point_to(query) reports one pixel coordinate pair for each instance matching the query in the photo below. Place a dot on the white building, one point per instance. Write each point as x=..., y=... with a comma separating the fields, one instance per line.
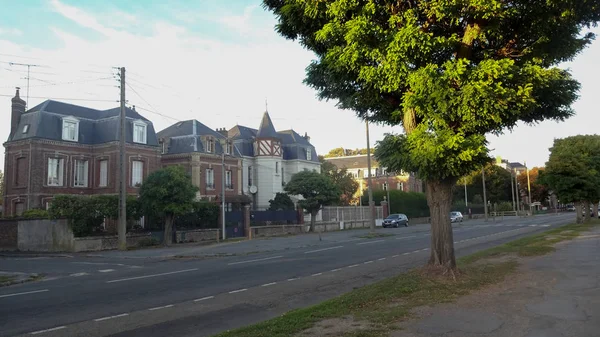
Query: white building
x=270, y=158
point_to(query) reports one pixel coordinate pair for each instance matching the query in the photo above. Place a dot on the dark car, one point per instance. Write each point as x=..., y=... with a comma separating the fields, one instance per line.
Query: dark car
x=395, y=220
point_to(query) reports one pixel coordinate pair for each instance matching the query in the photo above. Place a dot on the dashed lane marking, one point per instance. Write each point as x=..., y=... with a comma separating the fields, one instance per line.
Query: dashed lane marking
x=153, y=275
x=256, y=260
x=369, y=242
x=322, y=250
x=105, y=270
x=238, y=291
x=25, y=293
x=48, y=330
x=163, y=307
x=110, y=317
x=269, y=284
x=203, y=298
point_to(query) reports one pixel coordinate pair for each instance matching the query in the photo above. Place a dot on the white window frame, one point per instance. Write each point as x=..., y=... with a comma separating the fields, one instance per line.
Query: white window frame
x=308, y=154
x=229, y=148
x=228, y=180
x=70, y=120
x=144, y=135
x=25, y=128
x=103, y=180
x=210, y=179
x=57, y=164
x=137, y=177
x=84, y=166
x=210, y=145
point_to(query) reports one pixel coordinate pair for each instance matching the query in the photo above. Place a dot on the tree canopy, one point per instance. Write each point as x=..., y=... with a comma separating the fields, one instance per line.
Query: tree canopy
x=342, y=179
x=316, y=189
x=539, y=192
x=448, y=72
x=342, y=152
x=281, y=202
x=168, y=192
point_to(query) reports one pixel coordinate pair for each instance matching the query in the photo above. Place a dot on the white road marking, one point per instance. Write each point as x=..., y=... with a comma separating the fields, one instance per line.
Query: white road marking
x=269, y=284
x=25, y=293
x=257, y=260
x=317, y=274
x=406, y=237
x=48, y=330
x=203, y=298
x=352, y=266
x=293, y=279
x=153, y=275
x=237, y=291
x=334, y=270
x=383, y=258
x=545, y=225
x=79, y=274
x=368, y=262
x=322, y=250
x=395, y=255
x=352, y=240
x=110, y=317
x=405, y=253
x=106, y=270
x=369, y=242
x=163, y=307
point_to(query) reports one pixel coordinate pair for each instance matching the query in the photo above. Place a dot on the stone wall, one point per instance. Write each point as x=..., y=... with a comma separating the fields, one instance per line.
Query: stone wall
x=45, y=235
x=8, y=234
x=197, y=235
x=268, y=231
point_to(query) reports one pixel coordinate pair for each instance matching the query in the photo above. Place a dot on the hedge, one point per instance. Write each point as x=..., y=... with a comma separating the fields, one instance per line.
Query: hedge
x=413, y=204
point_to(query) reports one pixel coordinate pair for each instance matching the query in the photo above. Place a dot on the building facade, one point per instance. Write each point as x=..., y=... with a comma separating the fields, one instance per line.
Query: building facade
x=270, y=158
x=381, y=179
x=59, y=148
x=200, y=149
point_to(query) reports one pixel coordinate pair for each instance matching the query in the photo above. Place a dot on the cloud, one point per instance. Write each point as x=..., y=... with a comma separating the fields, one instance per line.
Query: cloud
x=239, y=23
x=81, y=17
x=10, y=32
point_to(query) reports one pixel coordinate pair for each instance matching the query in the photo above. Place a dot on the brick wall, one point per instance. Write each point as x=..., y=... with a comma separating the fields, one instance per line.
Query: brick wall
x=8, y=234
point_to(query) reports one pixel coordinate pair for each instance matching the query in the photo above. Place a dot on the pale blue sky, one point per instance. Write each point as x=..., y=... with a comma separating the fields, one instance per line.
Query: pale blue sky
x=212, y=60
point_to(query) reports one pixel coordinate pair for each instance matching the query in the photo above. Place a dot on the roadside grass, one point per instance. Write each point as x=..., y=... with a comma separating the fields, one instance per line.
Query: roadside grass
x=6, y=279
x=375, y=235
x=387, y=302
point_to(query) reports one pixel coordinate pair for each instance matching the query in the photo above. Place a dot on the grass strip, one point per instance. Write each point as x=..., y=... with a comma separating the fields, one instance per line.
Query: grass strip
x=387, y=302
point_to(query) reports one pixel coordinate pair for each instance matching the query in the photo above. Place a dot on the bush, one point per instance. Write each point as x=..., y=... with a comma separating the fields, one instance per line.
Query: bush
x=504, y=207
x=205, y=214
x=35, y=213
x=413, y=204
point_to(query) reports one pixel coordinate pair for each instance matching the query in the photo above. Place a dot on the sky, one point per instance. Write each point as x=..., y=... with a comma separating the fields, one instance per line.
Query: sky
x=216, y=61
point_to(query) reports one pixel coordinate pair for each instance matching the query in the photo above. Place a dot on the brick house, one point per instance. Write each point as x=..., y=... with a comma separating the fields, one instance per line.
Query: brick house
x=357, y=166
x=60, y=148
x=199, y=150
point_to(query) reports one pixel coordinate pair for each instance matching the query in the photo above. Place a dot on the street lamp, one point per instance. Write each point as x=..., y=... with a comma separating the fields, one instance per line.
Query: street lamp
x=223, y=174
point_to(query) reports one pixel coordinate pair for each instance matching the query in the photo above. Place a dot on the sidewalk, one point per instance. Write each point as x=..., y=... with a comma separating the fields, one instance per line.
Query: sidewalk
x=556, y=295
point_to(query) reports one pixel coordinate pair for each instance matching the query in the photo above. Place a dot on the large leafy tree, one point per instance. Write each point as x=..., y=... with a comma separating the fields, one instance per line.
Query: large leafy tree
x=497, y=185
x=281, y=202
x=539, y=192
x=448, y=72
x=573, y=170
x=316, y=189
x=168, y=192
x=342, y=179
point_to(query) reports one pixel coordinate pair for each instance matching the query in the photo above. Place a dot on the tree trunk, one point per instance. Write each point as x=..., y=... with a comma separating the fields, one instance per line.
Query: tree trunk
x=588, y=214
x=439, y=199
x=168, y=239
x=595, y=209
x=578, y=211
x=313, y=219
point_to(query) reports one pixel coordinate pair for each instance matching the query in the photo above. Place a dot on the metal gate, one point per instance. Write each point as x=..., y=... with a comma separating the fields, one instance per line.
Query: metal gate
x=234, y=224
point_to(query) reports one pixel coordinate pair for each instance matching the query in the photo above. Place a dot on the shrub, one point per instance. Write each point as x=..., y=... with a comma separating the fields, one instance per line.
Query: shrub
x=35, y=213
x=204, y=214
x=413, y=204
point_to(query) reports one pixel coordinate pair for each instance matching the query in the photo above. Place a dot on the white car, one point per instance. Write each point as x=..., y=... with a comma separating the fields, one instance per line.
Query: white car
x=456, y=217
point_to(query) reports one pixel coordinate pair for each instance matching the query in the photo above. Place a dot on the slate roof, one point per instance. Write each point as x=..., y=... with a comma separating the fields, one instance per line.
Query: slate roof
x=353, y=162
x=266, y=129
x=95, y=126
x=189, y=136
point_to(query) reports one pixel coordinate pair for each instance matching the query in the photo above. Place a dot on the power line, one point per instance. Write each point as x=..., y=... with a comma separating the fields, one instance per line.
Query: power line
x=67, y=99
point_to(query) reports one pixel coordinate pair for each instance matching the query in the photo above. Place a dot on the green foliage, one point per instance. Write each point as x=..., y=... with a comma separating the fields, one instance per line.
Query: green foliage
x=168, y=191
x=573, y=169
x=497, y=182
x=281, y=202
x=317, y=190
x=35, y=213
x=341, y=152
x=504, y=207
x=342, y=179
x=413, y=204
x=204, y=214
x=449, y=72
x=539, y=192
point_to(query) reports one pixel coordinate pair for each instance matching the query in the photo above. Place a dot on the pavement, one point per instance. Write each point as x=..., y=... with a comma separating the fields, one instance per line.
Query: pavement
x=557, y=295
x=189, y=291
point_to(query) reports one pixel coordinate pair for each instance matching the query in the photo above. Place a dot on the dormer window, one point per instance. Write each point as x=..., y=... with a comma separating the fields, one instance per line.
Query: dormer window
x=229, y=148
x=210, y=145
x=70, y=129
x=139, y=132
x=25, y=128
x=308, y=154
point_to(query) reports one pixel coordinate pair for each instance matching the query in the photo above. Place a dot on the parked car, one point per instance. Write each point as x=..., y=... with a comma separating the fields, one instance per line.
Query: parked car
x=456, y=217
x=571, y=208
x=395, y=220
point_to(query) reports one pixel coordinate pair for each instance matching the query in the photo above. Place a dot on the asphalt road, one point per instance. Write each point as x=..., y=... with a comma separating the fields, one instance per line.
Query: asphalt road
x=112, y=295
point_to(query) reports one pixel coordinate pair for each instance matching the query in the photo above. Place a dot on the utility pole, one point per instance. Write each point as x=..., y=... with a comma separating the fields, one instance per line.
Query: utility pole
x=224, y=235
x=512, y=189
x=529, y=190
x=466, y=198
x=28, y=70
x=517, y=190
x=122, y=225
x=484, y=194
x=387, y=187
x=370, y=183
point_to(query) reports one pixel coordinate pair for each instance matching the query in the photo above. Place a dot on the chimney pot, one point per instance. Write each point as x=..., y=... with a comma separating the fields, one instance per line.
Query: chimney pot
x=17, y=109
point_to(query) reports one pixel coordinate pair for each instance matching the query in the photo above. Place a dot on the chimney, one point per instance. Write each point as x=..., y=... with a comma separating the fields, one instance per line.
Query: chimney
x=223, y=131
x=306, y=137
x=18, y=108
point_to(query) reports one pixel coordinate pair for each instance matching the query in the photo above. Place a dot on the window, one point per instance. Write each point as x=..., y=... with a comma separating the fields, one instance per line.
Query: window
x=308, y=154
x=139, y=132
x=282, y=178
x=210, y=178
x=103, y=173
x=55, y=171
x=137, y=172
x=80, y=174
x=19, y=208
x=277, y=167
x=20, y=172
x=228, y=182
x=249, y=175
x=25, y=128
x=385, y=186
x=70, y=129
x=229, y=148
x=210, y=145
